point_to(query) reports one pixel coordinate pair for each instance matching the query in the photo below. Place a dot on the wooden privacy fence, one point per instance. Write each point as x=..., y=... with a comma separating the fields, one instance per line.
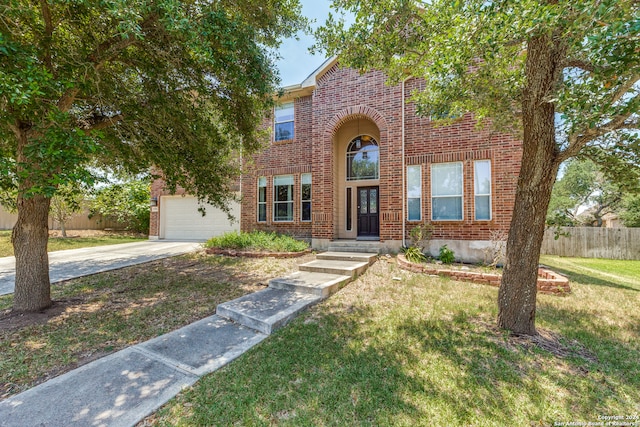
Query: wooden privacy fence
x=79, y=221
x=593, y=242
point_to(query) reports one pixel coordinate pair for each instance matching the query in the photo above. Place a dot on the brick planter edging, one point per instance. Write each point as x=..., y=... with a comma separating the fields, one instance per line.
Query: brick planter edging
x=549, y=282
x=256, y=254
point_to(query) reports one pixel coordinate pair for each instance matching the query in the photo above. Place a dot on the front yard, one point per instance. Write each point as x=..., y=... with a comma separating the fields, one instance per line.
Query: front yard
x=399, y=348
x=391, y=348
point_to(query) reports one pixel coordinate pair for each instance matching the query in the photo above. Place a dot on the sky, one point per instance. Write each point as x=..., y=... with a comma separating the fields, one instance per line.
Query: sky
x=297, y=63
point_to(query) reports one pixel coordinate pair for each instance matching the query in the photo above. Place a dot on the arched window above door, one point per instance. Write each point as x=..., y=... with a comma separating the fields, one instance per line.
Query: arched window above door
x=363, y=159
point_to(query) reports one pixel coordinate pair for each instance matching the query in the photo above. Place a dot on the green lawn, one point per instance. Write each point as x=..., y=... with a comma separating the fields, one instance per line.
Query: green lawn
x=596, y=271
x=424, y=351
x=96, y=315
x=58, y=243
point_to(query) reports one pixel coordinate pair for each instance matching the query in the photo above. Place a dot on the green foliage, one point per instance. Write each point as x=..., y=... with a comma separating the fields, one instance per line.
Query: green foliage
x=447, y=256
x=257, y=241
x=584, y=185
x=180, y=85
x=631, y=211
x=420, y=234
x=126, y=203
x=414, y=254
x=67, y=201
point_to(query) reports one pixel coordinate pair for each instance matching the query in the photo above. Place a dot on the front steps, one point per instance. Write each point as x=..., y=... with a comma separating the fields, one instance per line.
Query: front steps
x=274, y=307
x=358, y=246
x=347, y=268
x=266, y=310
x=369, y=258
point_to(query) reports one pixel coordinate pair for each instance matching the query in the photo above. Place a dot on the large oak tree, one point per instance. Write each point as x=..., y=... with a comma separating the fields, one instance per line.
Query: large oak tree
x=562, y=75
x=126, y=84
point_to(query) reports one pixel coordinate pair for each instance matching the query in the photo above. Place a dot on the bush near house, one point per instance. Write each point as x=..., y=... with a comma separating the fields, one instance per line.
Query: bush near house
x=126, y=203
x=257, y=241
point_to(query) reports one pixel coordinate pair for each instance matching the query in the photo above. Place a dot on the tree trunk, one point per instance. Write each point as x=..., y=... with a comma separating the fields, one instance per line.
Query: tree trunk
x=30, y=237
x=63, y=230
x=518, y=289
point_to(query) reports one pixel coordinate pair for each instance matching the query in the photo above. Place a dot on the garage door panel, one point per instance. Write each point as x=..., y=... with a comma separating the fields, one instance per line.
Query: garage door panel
x=182, y=220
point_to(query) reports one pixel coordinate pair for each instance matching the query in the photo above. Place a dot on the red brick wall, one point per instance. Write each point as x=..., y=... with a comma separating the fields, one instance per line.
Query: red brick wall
x=463, y=141
x=292, y=157
x=341, y=95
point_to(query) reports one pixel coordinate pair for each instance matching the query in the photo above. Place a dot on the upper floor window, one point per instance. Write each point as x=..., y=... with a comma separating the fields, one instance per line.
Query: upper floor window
x=283, y=126
x=363, y=158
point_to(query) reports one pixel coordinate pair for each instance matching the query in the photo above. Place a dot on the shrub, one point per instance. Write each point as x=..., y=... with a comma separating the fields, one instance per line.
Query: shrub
x=420, y=234
x=257, y=241
x=126, y=203
x=414, y=254
x=447, y=256
x=495, y=254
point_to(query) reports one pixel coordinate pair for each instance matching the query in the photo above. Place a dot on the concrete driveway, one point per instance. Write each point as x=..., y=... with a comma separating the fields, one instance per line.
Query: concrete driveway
x=72, y=263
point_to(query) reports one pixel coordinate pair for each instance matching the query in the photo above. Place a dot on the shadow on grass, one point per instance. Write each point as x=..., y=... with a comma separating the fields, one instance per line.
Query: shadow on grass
x=342, y=369
x=587, y=279
x=97, y=315
x=615, y=356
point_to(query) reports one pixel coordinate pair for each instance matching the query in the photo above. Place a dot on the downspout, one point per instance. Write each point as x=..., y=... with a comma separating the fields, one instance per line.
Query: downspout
x=404, y=172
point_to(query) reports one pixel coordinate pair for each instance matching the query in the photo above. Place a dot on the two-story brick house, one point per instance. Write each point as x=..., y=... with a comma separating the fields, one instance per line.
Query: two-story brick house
x=349, y=159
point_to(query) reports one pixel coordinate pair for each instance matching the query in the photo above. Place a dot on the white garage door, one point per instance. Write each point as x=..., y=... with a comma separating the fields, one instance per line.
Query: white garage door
x=180, y=219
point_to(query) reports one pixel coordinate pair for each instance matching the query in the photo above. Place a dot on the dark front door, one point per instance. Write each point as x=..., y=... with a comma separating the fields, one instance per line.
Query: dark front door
x=368, y=217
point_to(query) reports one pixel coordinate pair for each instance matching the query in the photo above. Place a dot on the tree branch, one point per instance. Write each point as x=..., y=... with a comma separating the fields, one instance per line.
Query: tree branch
x=101, y=122
x=66, y=100
x=48, y=34
x=578, y=63
x=624, y=88
x=580, y=139
x=104, y=52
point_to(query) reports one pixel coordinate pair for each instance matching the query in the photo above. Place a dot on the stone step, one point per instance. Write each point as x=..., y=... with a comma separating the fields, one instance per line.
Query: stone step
x=360, y=247
x=318, y=284
x=266, y=310
x=369, y=258
x=343, y=268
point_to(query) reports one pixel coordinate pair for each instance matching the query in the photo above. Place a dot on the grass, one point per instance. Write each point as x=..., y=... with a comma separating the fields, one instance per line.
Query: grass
x=424, y=351
x=257, y=241
x=58, y=243
x=391, y=348
x=622, y=274
x=103, y=313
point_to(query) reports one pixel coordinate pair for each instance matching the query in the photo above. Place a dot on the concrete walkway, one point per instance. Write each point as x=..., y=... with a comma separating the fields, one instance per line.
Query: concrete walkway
x=125, y=387
x=73, y=263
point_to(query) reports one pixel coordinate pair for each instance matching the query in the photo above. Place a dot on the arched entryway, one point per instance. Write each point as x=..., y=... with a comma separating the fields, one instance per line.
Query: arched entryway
x=357, y=179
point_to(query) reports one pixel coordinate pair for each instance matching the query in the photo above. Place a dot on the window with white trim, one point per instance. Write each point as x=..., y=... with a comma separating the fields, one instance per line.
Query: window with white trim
x=446, y=191
x=305, y=197
x=414, y=193
x=262, y=199
x=283, y=198
x=482, y=189
x=283, y=123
